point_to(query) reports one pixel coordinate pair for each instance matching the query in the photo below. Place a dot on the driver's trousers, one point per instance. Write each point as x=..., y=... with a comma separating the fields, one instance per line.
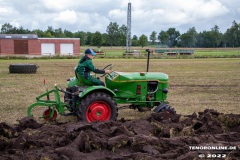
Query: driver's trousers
x=95, y=81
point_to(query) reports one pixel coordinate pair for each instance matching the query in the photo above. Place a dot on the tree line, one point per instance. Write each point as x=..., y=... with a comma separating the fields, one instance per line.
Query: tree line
x=116, y=36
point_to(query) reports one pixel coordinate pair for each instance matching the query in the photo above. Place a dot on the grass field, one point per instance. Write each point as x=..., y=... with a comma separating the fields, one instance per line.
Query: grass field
x=119, y=52
x=198, y=52
x=195, y=84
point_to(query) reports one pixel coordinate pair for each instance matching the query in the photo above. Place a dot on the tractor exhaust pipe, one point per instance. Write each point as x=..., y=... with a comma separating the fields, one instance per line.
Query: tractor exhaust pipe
x=148, y=57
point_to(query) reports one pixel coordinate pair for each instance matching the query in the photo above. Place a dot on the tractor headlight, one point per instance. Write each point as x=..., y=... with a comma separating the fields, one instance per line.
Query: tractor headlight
x=165, y=90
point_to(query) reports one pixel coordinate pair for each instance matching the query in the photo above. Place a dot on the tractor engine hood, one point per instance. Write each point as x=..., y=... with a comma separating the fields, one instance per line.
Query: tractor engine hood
x=138, y=76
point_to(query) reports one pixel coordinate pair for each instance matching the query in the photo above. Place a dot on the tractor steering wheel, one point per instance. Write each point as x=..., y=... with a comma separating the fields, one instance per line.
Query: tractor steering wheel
x=107, y=67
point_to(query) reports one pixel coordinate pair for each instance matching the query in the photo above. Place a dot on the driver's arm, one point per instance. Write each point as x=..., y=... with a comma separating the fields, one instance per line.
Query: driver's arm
x=93, y=69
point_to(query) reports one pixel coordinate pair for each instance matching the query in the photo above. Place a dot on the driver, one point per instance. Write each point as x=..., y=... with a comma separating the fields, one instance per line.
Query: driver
x=85, y=66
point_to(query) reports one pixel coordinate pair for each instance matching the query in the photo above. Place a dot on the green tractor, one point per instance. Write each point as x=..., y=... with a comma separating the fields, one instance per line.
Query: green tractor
x=142, y=91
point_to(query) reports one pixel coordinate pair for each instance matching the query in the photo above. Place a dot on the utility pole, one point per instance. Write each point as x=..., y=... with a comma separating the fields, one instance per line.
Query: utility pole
x=128, y=37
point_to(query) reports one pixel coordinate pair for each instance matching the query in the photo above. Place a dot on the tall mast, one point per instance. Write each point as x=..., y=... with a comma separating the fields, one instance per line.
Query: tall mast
x=128, y=37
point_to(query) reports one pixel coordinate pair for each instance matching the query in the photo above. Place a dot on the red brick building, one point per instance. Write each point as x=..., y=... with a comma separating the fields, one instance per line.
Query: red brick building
x=30, y=44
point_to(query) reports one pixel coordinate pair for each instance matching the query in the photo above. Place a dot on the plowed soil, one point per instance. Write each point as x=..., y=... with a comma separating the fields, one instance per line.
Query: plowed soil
x=158, y=136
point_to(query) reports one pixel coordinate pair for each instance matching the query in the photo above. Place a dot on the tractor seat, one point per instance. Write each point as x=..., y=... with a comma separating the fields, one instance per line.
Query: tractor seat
x=82, y=80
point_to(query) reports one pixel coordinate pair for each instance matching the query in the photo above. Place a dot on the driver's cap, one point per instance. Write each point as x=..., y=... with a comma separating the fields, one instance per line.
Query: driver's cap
x=90, y=51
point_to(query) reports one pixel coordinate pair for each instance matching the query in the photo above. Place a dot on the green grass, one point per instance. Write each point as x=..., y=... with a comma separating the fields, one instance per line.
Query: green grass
x=199, y=52
x=117, y=52
x=219, y=53
x=194, y=84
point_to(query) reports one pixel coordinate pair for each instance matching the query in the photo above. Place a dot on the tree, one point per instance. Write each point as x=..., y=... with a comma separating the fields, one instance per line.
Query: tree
x=39, y=32
x=193, y=34
x=122, y=35
x=81, y=35
x=21, y=30
x=163, y=37
x=116, y=36
x=105, y=39
x=68, y=34
x=97, y=39
x=48, y=34
x=209, y=39
x=59, y=33
x=113, y=34
x=143, y=41
x=232, y=35
x=173, y=37
x=153, y=37
x=135, y=41
x=185, y=40
x=205, y=39
x=50, y=31
x=88, y=38
x=7, y=28
x=217, y=36
x=189, y=39
x=135, y=37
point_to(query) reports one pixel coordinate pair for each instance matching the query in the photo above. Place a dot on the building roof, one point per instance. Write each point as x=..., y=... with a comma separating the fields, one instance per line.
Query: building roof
x=18, y=36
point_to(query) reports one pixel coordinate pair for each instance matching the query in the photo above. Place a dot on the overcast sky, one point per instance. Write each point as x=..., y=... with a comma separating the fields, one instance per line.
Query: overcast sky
x=96, y=15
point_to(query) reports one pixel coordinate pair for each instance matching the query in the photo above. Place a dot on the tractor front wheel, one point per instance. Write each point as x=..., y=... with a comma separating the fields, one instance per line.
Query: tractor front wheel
x=97, y=107
x=168, y=109
x=167, y=112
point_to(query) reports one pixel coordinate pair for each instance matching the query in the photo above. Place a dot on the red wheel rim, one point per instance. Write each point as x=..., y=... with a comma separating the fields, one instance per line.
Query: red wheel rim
x=98, y=111
x=46, y=115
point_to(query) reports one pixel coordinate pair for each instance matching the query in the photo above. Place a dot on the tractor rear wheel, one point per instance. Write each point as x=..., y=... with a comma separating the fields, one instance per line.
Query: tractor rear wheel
x=97, y=107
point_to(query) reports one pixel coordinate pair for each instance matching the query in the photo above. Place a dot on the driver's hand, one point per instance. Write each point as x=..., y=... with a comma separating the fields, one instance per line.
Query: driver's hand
x=107, y=71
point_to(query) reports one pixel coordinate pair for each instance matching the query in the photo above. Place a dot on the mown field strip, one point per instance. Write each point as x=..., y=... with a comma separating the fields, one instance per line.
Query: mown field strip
x=194, y=84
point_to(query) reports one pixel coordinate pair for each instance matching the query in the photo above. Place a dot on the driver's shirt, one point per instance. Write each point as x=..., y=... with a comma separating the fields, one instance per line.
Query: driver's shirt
x=85, y=66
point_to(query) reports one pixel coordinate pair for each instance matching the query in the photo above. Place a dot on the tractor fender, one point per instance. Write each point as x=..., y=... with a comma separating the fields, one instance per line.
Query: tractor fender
x=159, y=107
x=94, y=89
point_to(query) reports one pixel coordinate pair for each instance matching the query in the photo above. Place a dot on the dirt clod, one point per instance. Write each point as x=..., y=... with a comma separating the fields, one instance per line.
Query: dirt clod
x=158, y=136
